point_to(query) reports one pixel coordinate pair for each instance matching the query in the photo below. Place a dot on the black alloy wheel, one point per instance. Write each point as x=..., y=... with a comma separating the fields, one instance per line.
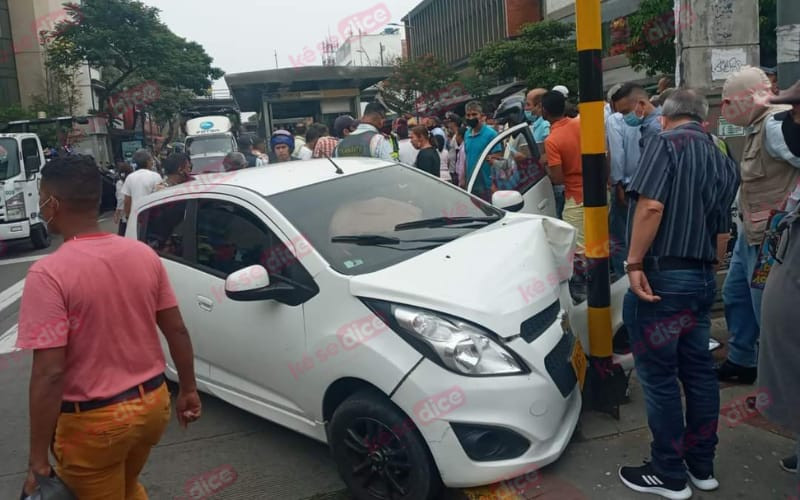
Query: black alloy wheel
x=379, y=451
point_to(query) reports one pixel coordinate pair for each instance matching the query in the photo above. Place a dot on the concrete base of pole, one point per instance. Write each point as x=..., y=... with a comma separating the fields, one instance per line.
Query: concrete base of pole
x=606, y=386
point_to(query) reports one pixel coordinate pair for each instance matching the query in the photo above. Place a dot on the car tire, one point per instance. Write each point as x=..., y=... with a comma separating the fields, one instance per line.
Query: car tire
x=40, y=237
x=379, y=451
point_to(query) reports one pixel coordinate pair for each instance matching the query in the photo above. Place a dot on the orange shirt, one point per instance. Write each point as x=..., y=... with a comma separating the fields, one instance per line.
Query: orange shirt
x=98, y=297
x=563, y=147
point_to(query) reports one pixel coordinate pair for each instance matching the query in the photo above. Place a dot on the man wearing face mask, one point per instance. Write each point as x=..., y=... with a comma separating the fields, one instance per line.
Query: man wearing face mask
x=533, y=113
x=770, y=169
x=632, y=101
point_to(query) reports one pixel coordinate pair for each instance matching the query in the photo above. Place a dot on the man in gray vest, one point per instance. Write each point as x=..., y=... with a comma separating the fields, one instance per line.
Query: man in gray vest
x=770, y=173
x=367, y=139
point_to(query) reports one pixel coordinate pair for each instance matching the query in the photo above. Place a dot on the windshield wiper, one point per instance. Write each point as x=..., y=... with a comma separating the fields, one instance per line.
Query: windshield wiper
x=377, y=239
x=445, y=221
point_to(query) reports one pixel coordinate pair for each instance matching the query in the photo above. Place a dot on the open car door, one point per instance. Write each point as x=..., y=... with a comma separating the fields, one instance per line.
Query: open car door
x=518, y=168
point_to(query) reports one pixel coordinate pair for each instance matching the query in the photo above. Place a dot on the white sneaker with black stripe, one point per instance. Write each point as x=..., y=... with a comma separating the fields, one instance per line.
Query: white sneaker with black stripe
x=645, y=480
x=705, y=483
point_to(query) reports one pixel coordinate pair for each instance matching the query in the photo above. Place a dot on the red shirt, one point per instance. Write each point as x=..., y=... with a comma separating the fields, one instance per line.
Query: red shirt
x=563, y=147
x=98, y=297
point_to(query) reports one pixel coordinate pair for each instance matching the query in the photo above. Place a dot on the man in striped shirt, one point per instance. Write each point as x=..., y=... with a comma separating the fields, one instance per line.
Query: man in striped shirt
x=680, y=200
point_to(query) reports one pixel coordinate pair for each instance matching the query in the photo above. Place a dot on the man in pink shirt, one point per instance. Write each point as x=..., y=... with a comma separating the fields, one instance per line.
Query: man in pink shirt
x=97, y=388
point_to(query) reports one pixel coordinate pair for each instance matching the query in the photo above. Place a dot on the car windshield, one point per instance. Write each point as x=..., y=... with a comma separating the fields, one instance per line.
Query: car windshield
x=209, y=144
x=362, y=213
x=207, y=164
x=9, y=159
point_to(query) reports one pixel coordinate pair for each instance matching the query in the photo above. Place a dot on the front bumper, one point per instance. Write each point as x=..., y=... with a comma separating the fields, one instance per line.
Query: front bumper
x=529, y=405
x=15, y=230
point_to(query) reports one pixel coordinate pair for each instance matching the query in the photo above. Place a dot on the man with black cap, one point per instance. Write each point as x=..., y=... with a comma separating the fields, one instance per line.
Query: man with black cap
x=343, y=126
x=367, y=140
x=246, y=148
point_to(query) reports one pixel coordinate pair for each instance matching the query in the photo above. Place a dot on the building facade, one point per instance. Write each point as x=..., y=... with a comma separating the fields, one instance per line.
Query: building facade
x=23, y=57
x=381, y=49
x=454, y=29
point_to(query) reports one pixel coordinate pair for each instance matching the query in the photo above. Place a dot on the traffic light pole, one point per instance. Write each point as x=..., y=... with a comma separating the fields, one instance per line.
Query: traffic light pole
x=606, y=383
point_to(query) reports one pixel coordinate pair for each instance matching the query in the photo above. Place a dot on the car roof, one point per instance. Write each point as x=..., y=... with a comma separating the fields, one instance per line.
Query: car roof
x=274, y=179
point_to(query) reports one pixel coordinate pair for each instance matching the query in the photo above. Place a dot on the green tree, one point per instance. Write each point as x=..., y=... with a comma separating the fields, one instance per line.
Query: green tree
x=416, y=83
x=543, y=55
x=130, y=43
x=652, y=42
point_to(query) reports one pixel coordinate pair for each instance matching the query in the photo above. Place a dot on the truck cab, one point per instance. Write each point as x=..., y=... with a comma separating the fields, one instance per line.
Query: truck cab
x=209, y=139
x=21, y=161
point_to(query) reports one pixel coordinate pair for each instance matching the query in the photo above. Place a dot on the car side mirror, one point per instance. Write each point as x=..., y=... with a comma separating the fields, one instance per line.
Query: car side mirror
x=508, y=200
x=253, y=284
x=32, y=164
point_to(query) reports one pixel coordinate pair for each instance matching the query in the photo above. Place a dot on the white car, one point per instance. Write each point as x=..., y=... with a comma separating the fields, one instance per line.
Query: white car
x=419, y=331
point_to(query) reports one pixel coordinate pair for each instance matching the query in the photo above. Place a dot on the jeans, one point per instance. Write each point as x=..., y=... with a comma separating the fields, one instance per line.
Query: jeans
x=742, y=304
x=618, y=230
x=561, y=199
x=670, y=343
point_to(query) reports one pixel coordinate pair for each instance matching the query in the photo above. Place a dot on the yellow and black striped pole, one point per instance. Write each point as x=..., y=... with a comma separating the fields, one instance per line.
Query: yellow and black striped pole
x=600, y=376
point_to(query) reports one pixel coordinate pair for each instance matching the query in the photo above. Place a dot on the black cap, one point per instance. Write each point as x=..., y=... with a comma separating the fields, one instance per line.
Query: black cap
x=343, y=122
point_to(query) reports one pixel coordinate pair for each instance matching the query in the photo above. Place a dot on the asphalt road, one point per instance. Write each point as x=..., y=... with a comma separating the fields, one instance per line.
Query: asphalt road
x=261, y=460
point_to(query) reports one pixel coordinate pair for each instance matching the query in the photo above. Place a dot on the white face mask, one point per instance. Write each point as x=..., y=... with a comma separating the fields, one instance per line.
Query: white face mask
x=47, y=222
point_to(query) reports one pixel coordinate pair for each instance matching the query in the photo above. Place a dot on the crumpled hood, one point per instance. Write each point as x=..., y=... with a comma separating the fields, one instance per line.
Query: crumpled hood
x=497, y=276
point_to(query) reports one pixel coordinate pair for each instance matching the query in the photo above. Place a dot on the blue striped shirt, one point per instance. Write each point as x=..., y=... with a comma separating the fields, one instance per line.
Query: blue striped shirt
x=683, y=169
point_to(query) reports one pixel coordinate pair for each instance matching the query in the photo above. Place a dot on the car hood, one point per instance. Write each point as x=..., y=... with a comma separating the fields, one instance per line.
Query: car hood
x=497, y=277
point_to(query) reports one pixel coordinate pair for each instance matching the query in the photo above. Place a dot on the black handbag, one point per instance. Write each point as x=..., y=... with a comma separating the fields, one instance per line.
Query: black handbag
x=49, y=488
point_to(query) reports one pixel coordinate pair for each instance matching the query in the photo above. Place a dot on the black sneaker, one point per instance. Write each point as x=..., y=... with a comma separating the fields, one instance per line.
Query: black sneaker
x=731, y=372
x=789, y=464
x=645, y=480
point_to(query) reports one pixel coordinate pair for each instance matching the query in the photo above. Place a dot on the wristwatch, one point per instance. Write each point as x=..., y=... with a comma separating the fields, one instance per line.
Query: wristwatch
x=633, y=266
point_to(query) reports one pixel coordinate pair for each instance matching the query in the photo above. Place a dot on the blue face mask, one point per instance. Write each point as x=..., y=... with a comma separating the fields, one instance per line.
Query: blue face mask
x=530, y=116
x=633, y=120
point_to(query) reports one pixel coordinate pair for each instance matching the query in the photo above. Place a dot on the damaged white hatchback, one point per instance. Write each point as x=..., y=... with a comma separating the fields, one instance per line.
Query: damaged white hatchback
x=419, y=331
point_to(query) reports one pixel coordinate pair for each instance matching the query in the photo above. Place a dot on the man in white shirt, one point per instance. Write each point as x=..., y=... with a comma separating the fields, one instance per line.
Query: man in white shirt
x=408, y=153
x=140, y=183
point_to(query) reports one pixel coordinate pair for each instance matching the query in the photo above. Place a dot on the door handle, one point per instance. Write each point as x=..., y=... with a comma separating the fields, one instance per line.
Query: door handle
x=205, y=303
x=542, y=204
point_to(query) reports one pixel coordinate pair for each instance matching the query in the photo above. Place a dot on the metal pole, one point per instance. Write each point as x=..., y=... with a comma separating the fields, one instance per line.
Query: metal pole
x=276, y=58
x=788, y=33
x=600, y=375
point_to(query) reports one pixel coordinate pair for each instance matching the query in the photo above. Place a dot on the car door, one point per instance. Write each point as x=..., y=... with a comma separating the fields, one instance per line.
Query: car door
x=524, y=173
x=249, y=346
x=165, y=228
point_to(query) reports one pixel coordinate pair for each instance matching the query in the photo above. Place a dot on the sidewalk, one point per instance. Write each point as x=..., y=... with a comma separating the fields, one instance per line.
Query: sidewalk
x=747, y=455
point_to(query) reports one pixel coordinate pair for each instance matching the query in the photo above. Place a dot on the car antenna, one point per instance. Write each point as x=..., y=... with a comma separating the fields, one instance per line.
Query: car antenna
x=338, y=169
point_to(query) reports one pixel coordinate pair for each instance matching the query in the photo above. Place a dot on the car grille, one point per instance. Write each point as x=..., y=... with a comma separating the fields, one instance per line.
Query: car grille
x=537, y=324
x=559, y=366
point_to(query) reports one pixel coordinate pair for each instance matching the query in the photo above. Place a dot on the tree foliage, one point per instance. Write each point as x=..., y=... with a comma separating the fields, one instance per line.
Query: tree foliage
x=652, y=42
x=415, y=83
x=543, y=55
x=130, y=43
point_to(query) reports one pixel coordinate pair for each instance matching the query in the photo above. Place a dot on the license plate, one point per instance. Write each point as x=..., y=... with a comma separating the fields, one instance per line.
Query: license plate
x=579, y=362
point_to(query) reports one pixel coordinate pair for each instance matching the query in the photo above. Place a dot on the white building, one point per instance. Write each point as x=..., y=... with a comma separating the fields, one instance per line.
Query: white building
x=380, y=49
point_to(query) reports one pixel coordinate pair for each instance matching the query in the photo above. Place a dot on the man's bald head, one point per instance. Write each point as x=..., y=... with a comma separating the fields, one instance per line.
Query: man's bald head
x=533, y=101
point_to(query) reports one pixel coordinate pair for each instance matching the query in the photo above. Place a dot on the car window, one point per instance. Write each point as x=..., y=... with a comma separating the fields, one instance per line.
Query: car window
x=519, y=167
x=373, y=203
x=163, y=228
x=230, y=238
x=29, y=148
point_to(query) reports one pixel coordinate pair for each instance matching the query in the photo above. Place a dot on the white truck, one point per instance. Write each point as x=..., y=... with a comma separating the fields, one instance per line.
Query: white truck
x=208, y=140
x=21, y=161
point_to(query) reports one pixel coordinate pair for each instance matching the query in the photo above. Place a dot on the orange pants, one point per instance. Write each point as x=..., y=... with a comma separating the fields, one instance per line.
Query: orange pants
x=100, y=453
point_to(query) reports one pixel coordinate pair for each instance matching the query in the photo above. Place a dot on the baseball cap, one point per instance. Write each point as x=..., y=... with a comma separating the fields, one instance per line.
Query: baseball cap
x=560, y=88
x=343, y=122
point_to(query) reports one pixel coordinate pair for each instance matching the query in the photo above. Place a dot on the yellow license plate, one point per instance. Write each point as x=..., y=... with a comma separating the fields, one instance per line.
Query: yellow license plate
x=579, y=362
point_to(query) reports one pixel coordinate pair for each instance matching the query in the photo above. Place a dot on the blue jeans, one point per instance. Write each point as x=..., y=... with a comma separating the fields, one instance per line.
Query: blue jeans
x=670, y=343
x=618, y=230
x=561, y=199
x=742, y=304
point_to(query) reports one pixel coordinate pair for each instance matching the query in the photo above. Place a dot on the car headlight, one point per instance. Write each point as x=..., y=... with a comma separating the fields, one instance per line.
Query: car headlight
x=15, y=207
x=450, y=342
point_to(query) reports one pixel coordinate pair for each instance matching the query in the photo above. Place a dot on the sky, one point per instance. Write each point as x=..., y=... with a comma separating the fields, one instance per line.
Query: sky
x=243, y=35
